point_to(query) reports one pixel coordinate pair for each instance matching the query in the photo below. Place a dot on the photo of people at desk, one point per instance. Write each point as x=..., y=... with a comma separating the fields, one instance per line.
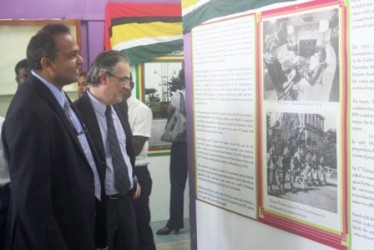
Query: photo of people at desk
x=301, y=57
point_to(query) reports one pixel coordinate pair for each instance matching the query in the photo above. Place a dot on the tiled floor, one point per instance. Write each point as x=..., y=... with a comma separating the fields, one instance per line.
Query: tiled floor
x=172, y=241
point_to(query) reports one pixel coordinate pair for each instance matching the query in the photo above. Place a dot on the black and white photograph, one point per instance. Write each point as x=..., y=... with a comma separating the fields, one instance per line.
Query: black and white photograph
x=160, y=79
x=301, y=159
x=301, y=57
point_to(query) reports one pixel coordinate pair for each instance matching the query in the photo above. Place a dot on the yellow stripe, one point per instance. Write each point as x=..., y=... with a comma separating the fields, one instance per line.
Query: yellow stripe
x=189, y=3
x=139, y=85
x=133, y=31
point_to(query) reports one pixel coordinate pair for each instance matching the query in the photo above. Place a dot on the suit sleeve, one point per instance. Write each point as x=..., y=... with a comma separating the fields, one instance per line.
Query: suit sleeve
x=27, y=138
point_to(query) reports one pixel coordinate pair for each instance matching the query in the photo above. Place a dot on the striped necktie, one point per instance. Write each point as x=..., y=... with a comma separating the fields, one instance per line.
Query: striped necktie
x=121, y=176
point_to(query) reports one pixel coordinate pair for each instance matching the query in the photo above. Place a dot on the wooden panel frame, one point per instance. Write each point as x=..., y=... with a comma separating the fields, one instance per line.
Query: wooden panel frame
x=147, y=77
x=14, y=37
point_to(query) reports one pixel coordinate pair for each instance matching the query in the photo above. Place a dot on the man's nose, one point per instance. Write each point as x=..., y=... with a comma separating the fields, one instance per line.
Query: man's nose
x=127, y=86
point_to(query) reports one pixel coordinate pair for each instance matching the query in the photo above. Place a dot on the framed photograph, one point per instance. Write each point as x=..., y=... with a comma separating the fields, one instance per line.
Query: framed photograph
x=155, y=88
x=302, y=174
x=301, y=159
x=301, y=56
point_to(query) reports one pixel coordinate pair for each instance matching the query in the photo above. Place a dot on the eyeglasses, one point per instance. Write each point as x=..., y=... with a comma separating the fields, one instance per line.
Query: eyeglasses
x=125, y=80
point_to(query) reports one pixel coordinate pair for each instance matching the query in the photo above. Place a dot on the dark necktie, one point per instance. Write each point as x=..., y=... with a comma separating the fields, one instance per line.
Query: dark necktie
x=121, y=176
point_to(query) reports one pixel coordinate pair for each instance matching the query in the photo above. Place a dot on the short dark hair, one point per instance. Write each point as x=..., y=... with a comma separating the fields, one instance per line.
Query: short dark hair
x=43, y=44
x=105, y=62
x=21, y=65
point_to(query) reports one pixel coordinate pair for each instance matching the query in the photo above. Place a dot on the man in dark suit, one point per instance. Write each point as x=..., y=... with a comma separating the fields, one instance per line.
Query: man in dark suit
x=52, y=166
x=108, y=79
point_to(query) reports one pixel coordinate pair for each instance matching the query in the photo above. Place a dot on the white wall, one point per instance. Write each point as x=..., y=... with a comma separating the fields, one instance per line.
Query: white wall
x=160, y=197
x=222, y=230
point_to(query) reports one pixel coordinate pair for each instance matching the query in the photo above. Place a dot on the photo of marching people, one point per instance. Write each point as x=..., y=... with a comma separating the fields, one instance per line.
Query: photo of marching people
x=301, y=159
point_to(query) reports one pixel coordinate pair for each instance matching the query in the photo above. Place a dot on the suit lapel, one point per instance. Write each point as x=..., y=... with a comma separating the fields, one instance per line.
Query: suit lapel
x=89, y=117
x=121, y=109
x=45, y=93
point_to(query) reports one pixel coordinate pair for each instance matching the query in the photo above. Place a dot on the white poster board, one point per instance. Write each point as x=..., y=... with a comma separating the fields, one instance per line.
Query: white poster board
x=224, y=117
x=362, y=124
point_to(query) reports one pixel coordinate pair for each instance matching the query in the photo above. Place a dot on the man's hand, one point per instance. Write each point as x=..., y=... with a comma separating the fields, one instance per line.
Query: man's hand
x=137, y=192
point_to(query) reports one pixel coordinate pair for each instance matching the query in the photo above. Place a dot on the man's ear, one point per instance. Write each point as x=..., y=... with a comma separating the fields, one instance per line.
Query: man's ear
x=47, y=64
x=103, y=78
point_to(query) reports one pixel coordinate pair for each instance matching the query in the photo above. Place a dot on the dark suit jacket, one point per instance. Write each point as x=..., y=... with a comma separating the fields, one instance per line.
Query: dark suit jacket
x=52, y=201
x=85, y=108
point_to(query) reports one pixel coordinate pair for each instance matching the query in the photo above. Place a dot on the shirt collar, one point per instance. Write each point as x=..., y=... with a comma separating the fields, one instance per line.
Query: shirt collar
x=57, y=93
x=98, y=106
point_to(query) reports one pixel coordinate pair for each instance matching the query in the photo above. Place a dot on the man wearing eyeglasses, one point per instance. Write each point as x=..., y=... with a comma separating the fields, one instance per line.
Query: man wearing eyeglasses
x=108, y=80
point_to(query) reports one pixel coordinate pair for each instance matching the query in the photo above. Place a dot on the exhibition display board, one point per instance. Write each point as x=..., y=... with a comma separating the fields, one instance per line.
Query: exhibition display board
x=282, y=118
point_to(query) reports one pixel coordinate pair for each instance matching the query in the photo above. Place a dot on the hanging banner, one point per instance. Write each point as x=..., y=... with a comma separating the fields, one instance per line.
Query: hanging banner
x=195, y=12
x=143, y=31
